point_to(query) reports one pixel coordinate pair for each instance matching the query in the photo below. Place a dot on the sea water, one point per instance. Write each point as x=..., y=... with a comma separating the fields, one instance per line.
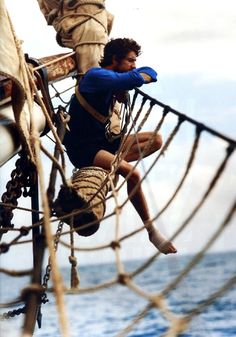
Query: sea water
x=106, y=312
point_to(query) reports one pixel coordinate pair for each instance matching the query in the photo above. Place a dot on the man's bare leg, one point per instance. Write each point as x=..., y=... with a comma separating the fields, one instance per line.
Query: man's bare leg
x=104, y=159
x=142, y=142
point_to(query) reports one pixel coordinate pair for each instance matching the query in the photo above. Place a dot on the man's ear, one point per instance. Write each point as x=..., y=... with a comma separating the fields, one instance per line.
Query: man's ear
x=114, y=59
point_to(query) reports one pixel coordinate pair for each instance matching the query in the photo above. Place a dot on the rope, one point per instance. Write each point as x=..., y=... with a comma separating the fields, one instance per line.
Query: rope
x=33, y=146
x=101, y=189
x=189, y=119
x=73, y=261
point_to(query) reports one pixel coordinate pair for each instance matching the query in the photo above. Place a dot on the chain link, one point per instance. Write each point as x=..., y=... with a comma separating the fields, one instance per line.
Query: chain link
x=21, y=183
x=12, y=313
x=46, y=277
x=22, y=178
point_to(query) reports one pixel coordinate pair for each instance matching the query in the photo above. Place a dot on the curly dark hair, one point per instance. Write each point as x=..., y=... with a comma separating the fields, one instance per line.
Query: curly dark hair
x=119, y=48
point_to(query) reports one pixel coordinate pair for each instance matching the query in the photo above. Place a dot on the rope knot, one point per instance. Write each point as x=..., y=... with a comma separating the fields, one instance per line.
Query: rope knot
x=115, y=244
x=158, y=301
x=4, y=247
x=74, y=274
x=32, y=288
x=73, y=261
x=124, y=278
x=166, y=110
x=230, y=149
x=24, y=231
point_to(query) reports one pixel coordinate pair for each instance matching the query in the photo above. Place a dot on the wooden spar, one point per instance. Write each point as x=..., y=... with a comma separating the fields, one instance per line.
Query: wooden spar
x=33, y=298
x=58, y=67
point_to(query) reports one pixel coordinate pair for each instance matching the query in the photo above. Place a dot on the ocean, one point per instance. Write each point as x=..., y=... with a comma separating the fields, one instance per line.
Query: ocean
x=106, y=312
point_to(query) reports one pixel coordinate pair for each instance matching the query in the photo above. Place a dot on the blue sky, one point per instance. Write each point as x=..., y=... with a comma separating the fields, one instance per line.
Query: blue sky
x=192, y=46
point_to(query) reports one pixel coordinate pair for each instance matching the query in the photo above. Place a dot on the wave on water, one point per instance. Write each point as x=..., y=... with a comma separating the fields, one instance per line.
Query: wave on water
x=106, y=312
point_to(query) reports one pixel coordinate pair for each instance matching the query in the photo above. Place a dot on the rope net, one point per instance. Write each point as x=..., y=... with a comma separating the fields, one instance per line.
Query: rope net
x=101, y=205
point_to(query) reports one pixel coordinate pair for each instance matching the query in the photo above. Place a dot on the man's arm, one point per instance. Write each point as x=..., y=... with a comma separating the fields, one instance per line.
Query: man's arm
x=98, y=79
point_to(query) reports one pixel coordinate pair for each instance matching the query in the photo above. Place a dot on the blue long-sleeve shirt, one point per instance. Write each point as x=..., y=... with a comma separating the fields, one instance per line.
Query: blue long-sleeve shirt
x=98, y=87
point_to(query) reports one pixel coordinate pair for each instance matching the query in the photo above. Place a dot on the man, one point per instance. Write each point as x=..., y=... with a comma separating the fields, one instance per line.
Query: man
x=87, y=143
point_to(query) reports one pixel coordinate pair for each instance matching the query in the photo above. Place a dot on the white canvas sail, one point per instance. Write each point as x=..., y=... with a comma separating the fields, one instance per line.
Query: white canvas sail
x=15, y=115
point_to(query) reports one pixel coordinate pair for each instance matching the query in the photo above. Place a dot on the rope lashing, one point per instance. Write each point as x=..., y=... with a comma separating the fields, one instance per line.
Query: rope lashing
x=87, y=193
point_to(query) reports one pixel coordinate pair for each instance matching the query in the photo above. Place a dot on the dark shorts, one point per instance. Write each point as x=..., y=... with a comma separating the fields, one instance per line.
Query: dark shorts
x=83, y=154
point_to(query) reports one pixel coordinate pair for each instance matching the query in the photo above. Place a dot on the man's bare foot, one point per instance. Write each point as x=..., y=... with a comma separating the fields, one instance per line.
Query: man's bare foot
x=159, y=241
x=167, y=247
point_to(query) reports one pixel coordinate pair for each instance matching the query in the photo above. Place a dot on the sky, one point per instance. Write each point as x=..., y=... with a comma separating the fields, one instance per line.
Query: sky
x=191, y=44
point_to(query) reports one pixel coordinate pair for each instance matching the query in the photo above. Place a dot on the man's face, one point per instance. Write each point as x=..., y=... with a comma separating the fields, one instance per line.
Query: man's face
x=128, y=63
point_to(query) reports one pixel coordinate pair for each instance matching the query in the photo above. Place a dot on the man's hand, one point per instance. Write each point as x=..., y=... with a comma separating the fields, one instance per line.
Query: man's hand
x=146, y=77
x=148, y=74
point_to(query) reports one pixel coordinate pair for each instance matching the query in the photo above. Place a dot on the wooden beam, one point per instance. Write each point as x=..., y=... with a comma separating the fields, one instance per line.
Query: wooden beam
x=58, y=67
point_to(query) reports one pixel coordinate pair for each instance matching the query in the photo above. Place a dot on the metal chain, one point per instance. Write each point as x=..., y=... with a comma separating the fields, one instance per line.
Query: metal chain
x=12, y=313
x=46, y=277
x=22, y=177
